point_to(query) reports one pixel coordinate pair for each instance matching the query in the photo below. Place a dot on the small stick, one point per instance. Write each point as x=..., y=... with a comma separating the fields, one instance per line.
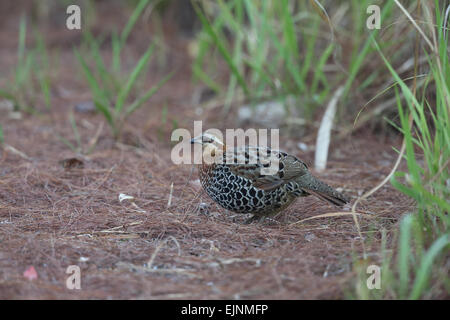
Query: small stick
x=170, y=196
x=323, y=137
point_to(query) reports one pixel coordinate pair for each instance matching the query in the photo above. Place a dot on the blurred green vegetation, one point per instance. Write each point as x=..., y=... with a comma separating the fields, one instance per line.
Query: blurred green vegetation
x=110, y=86
x=277, y=48
x=32, y=75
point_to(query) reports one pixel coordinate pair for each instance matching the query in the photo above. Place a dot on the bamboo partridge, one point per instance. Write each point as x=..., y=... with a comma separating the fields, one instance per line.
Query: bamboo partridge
x=236, y=181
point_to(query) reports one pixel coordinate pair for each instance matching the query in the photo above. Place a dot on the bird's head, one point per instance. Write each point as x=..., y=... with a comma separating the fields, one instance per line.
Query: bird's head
x=206, y=139
x=211, y=145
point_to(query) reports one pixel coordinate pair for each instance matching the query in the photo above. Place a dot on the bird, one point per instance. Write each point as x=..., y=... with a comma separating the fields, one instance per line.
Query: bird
x=235, y=179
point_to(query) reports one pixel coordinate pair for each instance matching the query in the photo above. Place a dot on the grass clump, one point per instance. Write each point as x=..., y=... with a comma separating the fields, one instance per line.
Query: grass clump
x=111, y=88
x=273, y=49
x=31, y=77
x=418, y=266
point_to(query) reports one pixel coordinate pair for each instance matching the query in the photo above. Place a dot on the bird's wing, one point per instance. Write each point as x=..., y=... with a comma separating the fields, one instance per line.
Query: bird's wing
x=249, y=163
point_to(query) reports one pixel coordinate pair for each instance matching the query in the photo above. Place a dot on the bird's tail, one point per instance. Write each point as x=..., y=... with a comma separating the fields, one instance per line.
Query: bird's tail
x=314, y=186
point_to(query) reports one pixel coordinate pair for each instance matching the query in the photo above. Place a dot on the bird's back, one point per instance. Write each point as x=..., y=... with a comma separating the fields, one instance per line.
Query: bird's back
x=238, y=184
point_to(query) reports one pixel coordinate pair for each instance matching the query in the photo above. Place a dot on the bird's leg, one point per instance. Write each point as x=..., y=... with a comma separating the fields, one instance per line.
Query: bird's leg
x=254, y=218
x=260, y=219
x=270, y=217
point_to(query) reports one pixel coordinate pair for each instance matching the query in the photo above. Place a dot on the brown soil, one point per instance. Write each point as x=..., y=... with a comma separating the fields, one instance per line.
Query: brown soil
x=53, y=216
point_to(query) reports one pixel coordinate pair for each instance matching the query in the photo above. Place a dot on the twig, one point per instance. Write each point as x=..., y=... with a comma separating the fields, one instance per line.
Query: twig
x=323, y=137
x=131, y=266
x=152, y=258
x=169, y=202
x=93, y=141
x=415, y=25
x=16, y=152
x=330, y=214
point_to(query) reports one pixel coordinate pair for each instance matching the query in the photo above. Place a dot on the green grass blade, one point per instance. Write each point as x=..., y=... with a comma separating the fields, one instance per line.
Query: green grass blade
x=222, y=49
x=98, y=94
x=359, y=61
x=139, y=102
x=291, y=66
x=132, y=21
x=2, y=137
x=105, y=111
x=404, y=254
x=200, y=74
x=116, y=49
x=125, y=91
x=23, y=69
x=318, y=74
x=289, y=30
x=7, y=95
x=425, y=267
x=105, y=76
x=22, y=38
x=67, y=143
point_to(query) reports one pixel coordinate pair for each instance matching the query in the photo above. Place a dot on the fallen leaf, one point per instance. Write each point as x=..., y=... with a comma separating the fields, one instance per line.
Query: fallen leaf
x=124, y=196
x=30, y=273
x=70, y=163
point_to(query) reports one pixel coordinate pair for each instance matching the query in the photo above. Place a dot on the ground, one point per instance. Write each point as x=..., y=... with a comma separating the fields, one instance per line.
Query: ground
x=55, y=213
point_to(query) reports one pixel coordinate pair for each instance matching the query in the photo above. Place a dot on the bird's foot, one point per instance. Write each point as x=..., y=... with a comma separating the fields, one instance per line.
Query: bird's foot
x=254, y=218
x=259, y=219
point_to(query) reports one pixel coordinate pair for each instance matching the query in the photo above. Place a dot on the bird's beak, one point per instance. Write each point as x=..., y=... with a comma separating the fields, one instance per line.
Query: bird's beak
x=196, y=140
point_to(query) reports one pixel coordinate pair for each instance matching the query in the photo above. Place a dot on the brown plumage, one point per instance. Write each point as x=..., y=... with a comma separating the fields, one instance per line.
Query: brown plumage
x=235, y=180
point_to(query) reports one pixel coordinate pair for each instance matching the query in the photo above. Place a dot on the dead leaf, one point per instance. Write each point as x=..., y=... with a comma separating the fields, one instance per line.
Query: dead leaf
x=71, y=163
x=30, y=273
